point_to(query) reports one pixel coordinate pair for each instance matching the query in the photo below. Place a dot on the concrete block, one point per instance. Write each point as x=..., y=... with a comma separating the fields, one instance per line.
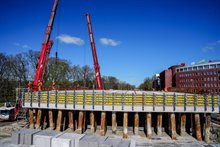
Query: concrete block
x=18, y=136
x=105, y=145
x=77, y=138
x=64, y=140
x=15, y=139
x=92, y=141
x=43, y=138
x=133, y=143
x=28, y=136
x=84, y=142
x=124, y=143
x=111, y=142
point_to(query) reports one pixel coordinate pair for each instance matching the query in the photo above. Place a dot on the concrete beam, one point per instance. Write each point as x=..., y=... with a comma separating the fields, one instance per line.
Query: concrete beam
x=149, y=126
x=183, y=124
x=136, y=123
x=207, y=128
x=159, y=123
x=114, y=123
x=31, y=118
x=92, y=121
x=125, y=125
x=103, y=124
x=173, y=126
x=198, y=127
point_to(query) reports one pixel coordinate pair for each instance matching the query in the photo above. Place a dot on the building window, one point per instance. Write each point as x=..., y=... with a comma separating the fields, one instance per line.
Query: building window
x=218, y=65
x=185, y=69
x=214, y=78
x=206, y=66
x=213, y=66
x=181, y=69
x=190, y=68
x=200, y=67
x=177, y=70
x=195, y=68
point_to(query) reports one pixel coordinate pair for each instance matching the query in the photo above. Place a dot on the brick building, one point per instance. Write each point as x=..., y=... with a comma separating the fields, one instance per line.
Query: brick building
x=201, y=78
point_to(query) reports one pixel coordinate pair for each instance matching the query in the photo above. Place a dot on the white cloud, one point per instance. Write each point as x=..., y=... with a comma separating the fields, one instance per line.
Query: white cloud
x=110, y=42
x=70, y=39
x=211, y=46
x=24, y=46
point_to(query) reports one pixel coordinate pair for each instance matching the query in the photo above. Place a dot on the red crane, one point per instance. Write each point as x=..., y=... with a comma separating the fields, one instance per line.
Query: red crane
x=45, y=51
x=95, y=59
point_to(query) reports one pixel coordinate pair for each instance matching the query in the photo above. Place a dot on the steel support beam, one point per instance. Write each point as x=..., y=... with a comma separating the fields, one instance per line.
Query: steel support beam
x=38, y=122
x=114, y=123
x=173, y=126
x=136, y=123
x=183, y=124
x=207, y=128
x=125, y=125
x=149, y=125
x=198, y=127
x=31, y=118
x=103, y=124
x=92, y=121
x=51, y=124
x=80, y=123
x=71, y=120
x=159, y=123
x=59, y=120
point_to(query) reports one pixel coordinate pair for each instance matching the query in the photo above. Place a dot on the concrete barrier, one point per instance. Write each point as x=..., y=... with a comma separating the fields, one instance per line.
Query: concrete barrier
x=28, y=136
x=111, y=142
x=44, y=138
x=67, y=140
x=92, y=141
x=24, y=136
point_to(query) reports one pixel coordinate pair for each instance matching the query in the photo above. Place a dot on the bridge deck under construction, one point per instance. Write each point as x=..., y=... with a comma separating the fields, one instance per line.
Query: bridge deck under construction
x=80, y=110
x=127, y=101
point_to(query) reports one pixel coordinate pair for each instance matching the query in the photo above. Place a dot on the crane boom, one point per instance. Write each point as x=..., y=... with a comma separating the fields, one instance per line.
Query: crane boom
x=95, y=58
x=46, y=47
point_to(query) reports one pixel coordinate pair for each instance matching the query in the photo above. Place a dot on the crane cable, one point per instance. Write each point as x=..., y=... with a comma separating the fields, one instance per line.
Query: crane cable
x=57, y=33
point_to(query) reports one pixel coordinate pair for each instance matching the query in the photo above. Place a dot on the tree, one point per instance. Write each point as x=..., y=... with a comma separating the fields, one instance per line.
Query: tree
x=57, y=71
x=147, y=84
x=88, y=77
x=32, y=59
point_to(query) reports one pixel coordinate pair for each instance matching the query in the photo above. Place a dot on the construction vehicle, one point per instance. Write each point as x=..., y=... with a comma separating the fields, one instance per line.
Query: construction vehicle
x=46, y=48
x=45, y=51
x=9, y=112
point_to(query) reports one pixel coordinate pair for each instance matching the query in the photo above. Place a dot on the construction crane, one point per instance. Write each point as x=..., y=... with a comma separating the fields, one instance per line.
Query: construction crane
x=95, y=58
x=45, y=51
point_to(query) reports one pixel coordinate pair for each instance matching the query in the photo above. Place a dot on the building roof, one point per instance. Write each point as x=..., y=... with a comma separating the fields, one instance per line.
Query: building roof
x=208, y=65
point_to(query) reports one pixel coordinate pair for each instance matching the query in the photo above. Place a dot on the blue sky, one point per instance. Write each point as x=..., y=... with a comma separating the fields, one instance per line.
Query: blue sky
x=134, y=38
